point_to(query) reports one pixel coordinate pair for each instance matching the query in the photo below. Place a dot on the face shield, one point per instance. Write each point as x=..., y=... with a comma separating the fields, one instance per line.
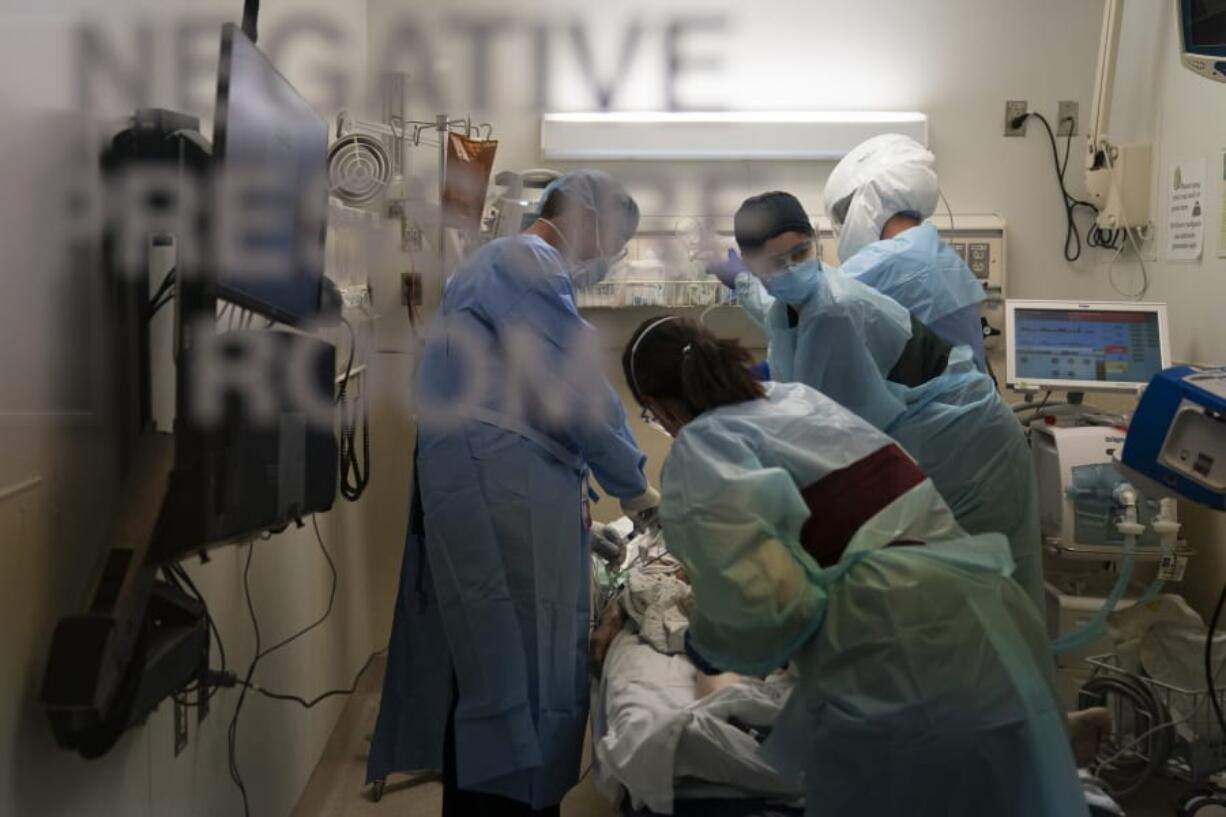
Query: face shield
x=877, y=180
x=615, y=219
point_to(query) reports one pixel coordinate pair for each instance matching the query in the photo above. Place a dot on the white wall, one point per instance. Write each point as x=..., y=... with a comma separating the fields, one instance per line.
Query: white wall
x=58, y=464
x=956, y=60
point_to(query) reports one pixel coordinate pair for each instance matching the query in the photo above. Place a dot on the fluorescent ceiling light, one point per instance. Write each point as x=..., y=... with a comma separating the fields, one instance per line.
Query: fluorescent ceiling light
x=725, y=117
x=719, y=135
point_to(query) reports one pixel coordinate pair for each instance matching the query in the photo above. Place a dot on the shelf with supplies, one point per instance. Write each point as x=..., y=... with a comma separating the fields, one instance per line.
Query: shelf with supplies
x=677, y=294
x=665, y=266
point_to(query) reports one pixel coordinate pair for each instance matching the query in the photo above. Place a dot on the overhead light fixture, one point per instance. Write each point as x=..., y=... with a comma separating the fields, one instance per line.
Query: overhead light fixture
x=720, y=135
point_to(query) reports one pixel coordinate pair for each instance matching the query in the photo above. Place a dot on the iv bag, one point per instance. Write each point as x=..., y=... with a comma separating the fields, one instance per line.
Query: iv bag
x=469, y=162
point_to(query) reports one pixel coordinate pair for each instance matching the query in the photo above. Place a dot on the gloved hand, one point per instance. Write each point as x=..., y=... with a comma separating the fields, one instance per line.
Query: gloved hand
x=643, y=509
x=608, y=544
x=727, y=271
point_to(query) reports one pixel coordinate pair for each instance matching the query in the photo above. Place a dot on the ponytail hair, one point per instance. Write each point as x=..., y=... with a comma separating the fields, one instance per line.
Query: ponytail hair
x=680, y=359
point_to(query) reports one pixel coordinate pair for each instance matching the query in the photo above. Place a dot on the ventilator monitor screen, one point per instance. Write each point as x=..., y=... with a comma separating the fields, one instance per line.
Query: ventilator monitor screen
x=272, y=196
x=1085, y=347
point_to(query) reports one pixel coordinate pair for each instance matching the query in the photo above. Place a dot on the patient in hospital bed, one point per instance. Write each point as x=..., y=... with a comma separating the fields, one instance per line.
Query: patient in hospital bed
x=663, y=733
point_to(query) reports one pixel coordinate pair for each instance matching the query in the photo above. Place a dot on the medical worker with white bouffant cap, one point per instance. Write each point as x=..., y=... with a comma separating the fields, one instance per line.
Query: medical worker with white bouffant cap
x=878, y=199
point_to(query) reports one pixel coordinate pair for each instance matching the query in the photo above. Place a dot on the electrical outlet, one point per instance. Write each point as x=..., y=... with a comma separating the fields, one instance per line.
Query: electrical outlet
x=410, y=288
x=411, y=240
x=1067, y=119
x=1013, y=109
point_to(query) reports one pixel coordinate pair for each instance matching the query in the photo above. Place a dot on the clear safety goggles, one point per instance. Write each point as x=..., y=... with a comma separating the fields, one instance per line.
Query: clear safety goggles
x=653, y=422
x=771, y=265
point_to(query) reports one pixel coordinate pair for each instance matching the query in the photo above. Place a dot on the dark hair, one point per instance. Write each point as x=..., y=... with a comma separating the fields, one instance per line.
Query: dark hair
x=762, y=217
x=678, y=358
x=554, y=205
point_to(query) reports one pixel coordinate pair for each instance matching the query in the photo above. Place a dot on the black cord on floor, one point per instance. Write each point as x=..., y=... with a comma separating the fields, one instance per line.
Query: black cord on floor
x=1210, y=680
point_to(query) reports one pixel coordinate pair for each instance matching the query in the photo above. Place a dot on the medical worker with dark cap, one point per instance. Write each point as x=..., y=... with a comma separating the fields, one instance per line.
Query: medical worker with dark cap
x=870, y=354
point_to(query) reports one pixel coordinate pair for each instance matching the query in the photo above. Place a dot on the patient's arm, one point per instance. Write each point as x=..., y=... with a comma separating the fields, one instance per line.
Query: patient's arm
x=610, y=624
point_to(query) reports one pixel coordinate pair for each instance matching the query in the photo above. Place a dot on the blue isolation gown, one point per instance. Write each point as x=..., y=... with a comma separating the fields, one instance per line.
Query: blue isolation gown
x=956, y=426
x=494, y=583
x=924, y=274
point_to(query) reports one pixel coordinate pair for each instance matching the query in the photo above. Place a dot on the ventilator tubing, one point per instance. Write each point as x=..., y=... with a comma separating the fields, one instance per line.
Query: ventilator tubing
x=1096, y=628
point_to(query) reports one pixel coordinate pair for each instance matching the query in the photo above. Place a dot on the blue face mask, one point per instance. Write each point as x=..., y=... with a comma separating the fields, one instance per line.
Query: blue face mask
x=796, y=283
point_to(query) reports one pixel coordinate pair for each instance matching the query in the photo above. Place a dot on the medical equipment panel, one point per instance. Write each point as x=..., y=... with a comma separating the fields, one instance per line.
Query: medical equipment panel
x=1176, y=444
x=1078, y=346
x=1202, y=35
x=1079, y=512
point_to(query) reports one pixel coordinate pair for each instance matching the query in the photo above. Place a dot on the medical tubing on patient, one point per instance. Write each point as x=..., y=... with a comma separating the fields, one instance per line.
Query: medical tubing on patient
x=675, y=358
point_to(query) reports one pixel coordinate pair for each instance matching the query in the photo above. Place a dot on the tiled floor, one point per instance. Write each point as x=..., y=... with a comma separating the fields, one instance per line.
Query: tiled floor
x=337, y=788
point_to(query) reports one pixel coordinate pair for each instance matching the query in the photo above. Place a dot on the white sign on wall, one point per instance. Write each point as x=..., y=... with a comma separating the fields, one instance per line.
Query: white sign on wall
x=1185, y=211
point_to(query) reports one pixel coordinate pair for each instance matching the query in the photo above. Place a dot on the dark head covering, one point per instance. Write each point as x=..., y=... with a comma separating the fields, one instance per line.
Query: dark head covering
x=763, y=217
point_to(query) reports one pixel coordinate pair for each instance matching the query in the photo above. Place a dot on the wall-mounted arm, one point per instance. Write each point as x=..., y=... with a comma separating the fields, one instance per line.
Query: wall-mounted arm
x=1104, y=82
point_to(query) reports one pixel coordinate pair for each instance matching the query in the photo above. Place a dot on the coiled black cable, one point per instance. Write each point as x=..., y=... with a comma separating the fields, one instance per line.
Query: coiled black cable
x=355, y=472
x=1096, y=236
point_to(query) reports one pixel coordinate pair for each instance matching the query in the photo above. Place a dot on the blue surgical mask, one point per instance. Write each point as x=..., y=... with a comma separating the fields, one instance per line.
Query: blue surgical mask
x=796, y=283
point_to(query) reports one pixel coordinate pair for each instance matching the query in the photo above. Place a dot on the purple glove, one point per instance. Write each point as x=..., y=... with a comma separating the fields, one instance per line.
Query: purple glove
x=727, y=271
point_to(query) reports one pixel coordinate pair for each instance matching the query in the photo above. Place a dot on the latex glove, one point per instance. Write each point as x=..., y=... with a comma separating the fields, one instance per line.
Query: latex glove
x=727, y=271
x=608, y=544
x=643, y=509
x=761, y=370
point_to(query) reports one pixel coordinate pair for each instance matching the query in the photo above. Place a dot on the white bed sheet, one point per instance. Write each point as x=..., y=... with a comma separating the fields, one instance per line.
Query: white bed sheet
x=655, y=741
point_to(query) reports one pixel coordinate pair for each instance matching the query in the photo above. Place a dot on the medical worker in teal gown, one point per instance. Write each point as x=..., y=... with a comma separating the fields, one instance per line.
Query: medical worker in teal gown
x=925, y=686
x=864, y=350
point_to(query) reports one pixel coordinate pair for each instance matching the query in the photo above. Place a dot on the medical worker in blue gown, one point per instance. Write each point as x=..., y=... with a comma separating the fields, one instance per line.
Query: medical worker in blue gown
x=486, y=673
x=878, y=198
x=868, y=353
x=925, y=686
